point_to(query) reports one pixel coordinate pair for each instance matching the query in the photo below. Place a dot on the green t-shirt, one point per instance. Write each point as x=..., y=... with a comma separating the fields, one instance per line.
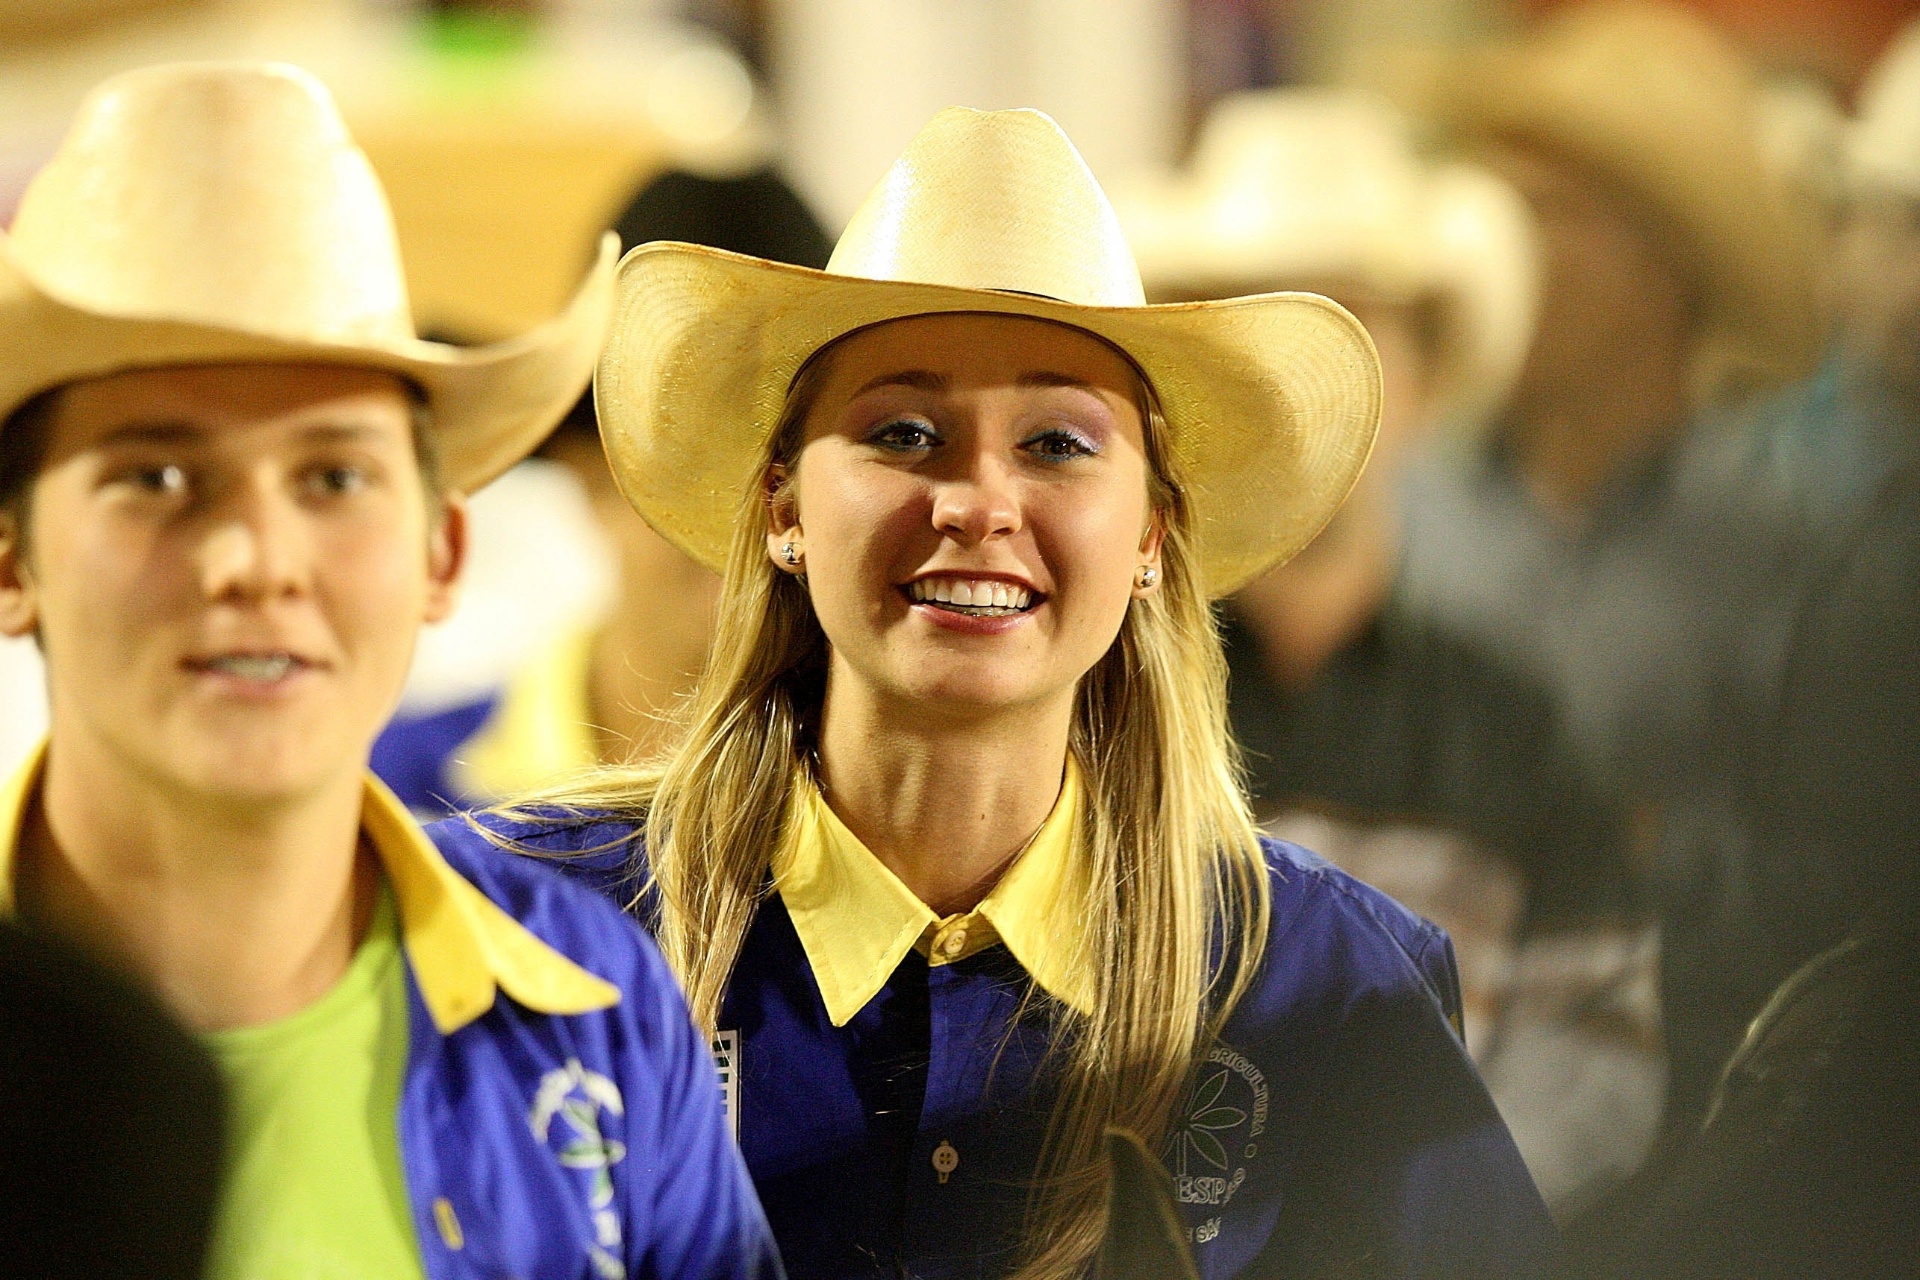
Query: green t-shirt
x=315, y=1189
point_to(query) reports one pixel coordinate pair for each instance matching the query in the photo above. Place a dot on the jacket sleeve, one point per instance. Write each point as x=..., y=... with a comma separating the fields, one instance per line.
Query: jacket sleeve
x=1406, y=1168
x=694, y=1215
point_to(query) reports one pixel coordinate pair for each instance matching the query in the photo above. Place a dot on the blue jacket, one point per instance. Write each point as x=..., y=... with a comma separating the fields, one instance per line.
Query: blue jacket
x=1337, y=1128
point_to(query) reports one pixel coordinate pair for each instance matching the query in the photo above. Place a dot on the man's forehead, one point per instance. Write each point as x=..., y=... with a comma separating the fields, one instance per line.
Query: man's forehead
x=183, y=402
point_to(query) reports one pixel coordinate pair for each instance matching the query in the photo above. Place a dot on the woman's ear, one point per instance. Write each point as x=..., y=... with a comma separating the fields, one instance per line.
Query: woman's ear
x=785, y=545
x=1146, y=574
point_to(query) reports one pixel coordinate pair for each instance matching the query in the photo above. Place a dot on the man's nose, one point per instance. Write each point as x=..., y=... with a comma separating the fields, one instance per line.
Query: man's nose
x=256, y=546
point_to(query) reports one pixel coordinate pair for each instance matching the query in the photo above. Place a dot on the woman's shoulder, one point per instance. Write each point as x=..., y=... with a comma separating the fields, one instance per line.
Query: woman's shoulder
x=604, y=851
x=1333, y=939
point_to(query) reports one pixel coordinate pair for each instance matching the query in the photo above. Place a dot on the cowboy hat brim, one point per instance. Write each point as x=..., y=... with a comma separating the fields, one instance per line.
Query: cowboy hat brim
x=490, y=405
x=1271, y=402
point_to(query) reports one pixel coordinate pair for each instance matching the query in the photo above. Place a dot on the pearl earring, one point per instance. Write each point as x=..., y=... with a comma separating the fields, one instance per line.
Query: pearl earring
x=1147, y=576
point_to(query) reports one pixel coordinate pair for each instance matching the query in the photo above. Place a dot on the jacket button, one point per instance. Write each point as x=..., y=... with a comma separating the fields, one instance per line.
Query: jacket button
x=945, y=1160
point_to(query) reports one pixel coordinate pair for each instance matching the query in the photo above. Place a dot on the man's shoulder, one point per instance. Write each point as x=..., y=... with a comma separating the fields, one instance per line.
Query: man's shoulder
x=602, y=854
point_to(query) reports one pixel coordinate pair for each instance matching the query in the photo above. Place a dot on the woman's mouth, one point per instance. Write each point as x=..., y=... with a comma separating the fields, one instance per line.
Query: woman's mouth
x=971, y=597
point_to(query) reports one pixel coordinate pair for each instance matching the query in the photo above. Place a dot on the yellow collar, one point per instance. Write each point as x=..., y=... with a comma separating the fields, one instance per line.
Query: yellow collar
x=857, y=921
x=463, y=947
x=540, y=732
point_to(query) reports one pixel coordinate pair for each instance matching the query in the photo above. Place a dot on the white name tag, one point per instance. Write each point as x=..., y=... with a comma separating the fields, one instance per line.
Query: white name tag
x=726, y=1060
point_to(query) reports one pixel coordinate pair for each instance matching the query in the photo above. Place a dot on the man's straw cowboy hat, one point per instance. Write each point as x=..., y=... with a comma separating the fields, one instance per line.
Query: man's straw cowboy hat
x=1657, y=104
x=1325, y=189
x=203, y=213
x=1271, y=402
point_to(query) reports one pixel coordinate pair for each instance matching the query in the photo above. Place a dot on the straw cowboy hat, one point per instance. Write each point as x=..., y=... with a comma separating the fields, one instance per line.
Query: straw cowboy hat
x=201, y=213
x=1271, y=402
x=1324, y=188
x=1655, y=102
x=1883, y=147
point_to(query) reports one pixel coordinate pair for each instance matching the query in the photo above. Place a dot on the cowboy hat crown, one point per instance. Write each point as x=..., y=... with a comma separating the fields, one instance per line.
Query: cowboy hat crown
x=219, y=212
x=1270, y=403
x=993, y=200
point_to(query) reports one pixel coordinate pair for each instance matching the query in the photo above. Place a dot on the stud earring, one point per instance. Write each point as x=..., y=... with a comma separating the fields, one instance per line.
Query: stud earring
x=1147, y=576
x=789, y=555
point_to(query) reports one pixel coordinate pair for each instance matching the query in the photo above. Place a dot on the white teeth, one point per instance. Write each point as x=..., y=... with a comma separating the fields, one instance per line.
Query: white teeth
x=969, y=594
x=268, y=668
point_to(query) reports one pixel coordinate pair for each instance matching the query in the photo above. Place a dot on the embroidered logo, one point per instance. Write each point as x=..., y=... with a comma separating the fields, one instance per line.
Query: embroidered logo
x=726, y=1060
x=1219, y=1133
x=578, y=1098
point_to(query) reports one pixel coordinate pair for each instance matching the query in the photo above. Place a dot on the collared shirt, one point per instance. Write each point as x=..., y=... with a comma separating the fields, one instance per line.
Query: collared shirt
x=857, y=921
x=559, y=1116
x=1337, y=1127
x=533, y=730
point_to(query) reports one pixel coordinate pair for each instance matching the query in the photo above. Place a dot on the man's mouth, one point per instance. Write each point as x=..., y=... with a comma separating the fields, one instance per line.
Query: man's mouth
x=972, y=597
x=261, y=668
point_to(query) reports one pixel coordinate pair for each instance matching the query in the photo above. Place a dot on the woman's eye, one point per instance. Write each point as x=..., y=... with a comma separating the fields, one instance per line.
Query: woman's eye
x=904, y=435
x=1058, y=445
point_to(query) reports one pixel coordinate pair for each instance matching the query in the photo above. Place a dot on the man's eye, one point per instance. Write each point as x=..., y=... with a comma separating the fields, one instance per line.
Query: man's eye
x=1058, y=445
x=904, y=435
x=333, y=481
x=165, y=478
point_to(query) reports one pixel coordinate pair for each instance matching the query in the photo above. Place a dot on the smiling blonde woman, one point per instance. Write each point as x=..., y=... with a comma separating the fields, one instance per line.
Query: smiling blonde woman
x=953, y=857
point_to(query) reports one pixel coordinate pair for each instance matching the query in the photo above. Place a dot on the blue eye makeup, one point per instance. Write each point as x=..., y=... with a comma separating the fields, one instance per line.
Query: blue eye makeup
x=904, y=435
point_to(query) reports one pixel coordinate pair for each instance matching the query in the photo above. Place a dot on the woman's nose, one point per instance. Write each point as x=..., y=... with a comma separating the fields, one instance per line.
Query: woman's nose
x=977, y=505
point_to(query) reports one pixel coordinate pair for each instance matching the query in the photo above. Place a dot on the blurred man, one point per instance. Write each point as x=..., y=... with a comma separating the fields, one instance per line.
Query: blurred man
x=230, y=484
x=1598, y=543
x=1412, y=759
x=608, y=691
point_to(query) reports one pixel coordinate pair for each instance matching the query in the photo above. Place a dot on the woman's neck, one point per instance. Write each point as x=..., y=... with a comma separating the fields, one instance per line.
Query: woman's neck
x=945, y=802
x=236, y=916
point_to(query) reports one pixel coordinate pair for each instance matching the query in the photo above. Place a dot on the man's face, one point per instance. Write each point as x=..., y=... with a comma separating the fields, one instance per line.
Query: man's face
x=227, y=567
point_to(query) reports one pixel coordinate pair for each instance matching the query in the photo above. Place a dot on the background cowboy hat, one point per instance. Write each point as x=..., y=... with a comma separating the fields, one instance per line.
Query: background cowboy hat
x=1325, y=189
x=1271, y=402
x=202, y=213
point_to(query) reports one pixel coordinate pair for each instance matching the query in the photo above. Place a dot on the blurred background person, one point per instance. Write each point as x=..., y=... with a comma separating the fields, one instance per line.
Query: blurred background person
x=111, y=1139
x=602, y=688
x=1416, y=761
x=1594, y=542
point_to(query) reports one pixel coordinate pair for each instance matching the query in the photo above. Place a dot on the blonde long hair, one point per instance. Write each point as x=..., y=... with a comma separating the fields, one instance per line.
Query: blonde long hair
x=1178, y=904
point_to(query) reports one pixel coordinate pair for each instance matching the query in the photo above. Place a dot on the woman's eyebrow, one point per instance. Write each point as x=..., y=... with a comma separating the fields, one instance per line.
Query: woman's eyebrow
x=1047, y=378
x=919, y=379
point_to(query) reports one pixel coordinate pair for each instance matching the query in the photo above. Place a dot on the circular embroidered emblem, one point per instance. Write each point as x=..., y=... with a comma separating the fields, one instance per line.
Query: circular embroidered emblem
x=1219, y=1133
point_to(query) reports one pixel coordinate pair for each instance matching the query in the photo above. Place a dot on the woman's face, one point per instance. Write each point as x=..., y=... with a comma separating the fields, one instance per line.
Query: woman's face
x=970, y=506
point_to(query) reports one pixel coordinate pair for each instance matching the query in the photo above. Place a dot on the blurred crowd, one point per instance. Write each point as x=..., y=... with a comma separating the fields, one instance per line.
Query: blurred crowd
x=1610, y=664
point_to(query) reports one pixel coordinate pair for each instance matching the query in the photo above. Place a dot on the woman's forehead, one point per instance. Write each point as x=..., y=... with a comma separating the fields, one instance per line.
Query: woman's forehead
x=978, y=348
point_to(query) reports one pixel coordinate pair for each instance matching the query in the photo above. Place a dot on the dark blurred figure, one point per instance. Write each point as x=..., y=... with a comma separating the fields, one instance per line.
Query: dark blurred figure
x=1601, y=544
x=605, y=693
x=1808, y=1165
x=1409, y=756
x=1146, y=1235
x=111, y=1129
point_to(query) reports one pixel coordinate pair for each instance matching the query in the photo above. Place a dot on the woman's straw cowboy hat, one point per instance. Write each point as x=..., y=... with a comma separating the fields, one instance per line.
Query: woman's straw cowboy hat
x=202, y=213
x=1654, y=101
x=1324, y=188
x=1271, y=402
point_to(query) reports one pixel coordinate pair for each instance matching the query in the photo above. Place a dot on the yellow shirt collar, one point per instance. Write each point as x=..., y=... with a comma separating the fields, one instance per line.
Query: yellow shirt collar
x=857, y=921
x=463, y=947
x=541, y=730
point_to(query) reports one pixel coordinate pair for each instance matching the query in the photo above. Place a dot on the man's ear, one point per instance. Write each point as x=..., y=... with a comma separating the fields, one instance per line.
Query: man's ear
x=446, y=557
x=19, y=602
